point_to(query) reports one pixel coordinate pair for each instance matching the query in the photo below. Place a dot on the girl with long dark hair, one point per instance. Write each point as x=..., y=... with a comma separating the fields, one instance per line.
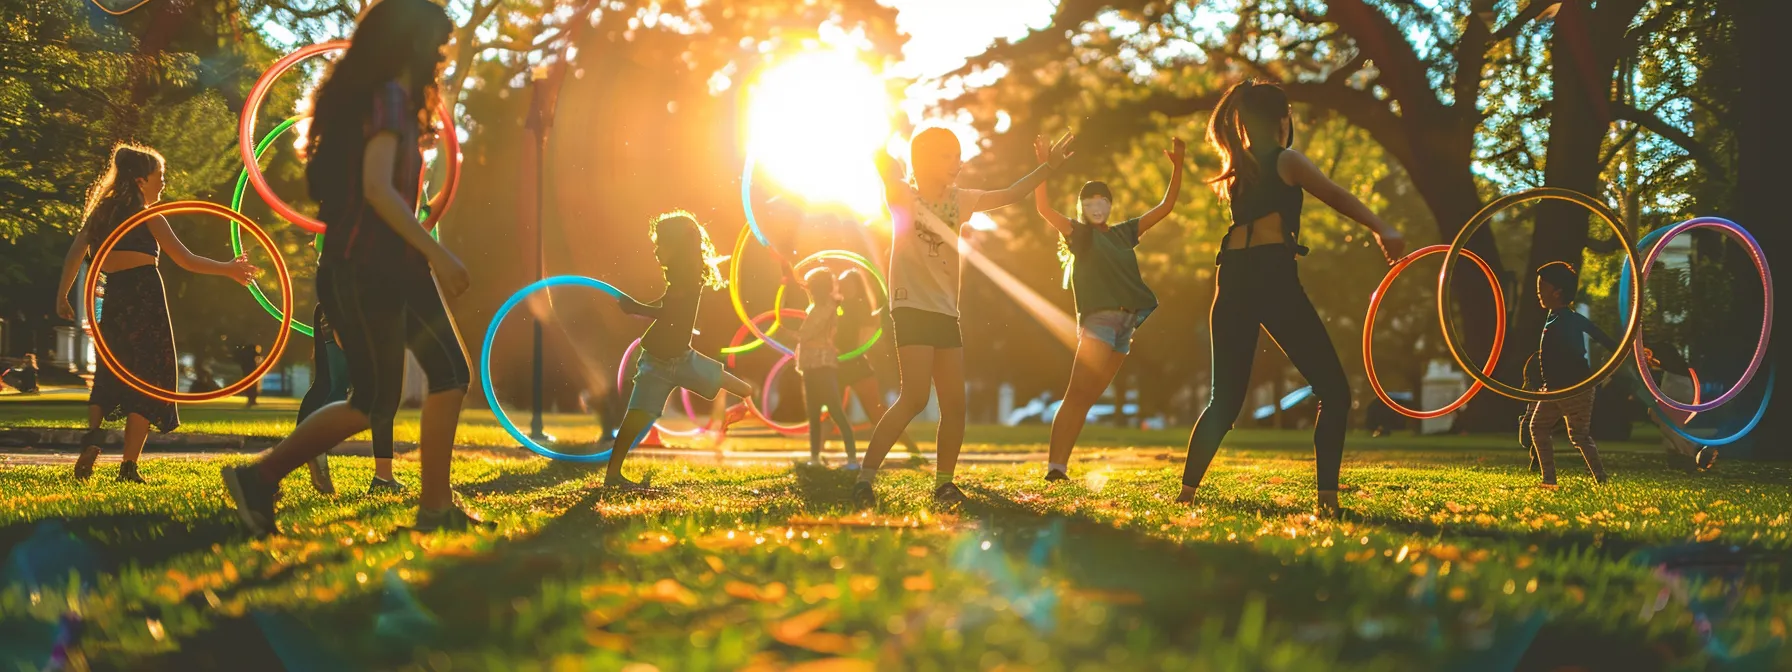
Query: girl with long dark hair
x=1259, y=287
x=374, y=280
x=134, y=319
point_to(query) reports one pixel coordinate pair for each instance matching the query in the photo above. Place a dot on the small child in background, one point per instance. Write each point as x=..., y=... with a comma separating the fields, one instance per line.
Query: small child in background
x=688, y=260
x=1562, y=359
x=818, y=360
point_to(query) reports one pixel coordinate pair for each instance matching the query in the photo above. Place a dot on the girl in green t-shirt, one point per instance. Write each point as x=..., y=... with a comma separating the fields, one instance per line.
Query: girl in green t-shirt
x=1112, y=299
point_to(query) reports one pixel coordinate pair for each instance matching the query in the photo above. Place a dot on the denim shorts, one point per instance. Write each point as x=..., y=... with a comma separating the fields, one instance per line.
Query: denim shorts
x=1113, y=327
x=657, y=377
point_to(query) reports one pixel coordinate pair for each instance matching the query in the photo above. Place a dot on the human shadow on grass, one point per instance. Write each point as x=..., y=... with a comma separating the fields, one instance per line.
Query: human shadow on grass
x=142, y=539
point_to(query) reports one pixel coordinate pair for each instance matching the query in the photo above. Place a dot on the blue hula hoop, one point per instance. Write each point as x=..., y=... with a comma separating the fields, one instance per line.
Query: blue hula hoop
x=485, y=362
x=746, y=200
x=1644, y=245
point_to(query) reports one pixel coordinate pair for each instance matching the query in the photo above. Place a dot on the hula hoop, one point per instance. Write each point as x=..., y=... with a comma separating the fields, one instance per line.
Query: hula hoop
x=119, y=12
x=740, y=308
x=236, y=238
x=246, y=126
x=90, y=290
x=746, y=200
x=1758, y=256
x=1499, y=334
x=1675, y=427
x=771, y=376
x=485, y=362
x=1453, y=335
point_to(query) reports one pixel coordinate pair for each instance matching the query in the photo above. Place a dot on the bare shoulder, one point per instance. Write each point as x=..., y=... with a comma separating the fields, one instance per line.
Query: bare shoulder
x=1295, y=168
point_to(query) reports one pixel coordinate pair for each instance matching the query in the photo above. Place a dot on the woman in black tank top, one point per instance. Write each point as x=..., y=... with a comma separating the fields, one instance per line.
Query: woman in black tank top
x=133, y=317
x=1259, y=287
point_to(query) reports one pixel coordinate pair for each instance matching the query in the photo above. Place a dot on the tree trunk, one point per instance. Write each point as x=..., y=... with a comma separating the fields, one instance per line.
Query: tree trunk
x=1763, y=144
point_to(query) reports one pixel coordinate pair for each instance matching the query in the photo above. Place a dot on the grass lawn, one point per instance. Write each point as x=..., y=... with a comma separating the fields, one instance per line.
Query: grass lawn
x=1450, y=558
x=274, y=418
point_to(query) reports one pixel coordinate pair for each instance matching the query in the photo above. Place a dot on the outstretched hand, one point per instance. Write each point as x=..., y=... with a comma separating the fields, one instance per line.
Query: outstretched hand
x=1393, y=245
x=240, y=270
x=1056, y=153
x=1177, y=150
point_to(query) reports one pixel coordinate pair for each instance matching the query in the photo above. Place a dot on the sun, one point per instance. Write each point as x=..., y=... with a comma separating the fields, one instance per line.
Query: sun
x=814, y=124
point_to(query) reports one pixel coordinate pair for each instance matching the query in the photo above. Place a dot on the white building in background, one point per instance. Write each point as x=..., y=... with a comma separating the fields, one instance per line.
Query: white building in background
x=1443, y=383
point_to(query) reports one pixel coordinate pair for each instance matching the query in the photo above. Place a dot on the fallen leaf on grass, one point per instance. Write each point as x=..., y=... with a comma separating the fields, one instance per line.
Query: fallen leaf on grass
x=593, y=592
x=715, y=563
x=607, y=640
x=918, y=584
x=652, y=542
x=668, y=590
x=862, y=584
x=833, y=665
x=771, y=592
x=604, y=616
x=800, y=631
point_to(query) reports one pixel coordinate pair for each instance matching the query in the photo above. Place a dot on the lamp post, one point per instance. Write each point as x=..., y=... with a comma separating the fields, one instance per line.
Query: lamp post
x=540, y=120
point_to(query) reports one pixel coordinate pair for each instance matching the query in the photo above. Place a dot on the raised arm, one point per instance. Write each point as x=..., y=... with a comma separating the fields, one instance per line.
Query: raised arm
x=1043, y=202
x=990, y=200
x=1152, y=217
x=376, y=187
x=1298, y=170
x=238, y=269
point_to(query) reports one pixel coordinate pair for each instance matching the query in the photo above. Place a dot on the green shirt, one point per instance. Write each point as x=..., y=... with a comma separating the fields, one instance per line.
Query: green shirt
x=1104, y=272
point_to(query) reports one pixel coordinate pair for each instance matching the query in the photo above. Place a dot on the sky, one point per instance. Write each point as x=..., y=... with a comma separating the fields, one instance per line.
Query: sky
x=943, y=33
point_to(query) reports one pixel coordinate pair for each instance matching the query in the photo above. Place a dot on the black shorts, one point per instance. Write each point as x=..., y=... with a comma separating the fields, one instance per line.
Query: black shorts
x=925, y=327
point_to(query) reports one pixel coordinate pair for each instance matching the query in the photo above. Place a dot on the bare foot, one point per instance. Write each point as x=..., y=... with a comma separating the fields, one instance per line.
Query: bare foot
x=625, y=485
x=1187, y=496
x=1328, y=504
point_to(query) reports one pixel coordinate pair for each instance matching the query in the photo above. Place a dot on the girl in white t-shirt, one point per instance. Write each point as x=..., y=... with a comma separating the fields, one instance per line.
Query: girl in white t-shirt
x=926, y=214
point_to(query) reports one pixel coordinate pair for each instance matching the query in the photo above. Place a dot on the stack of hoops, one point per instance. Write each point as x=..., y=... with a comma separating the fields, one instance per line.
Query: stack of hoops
x=1631, y=275
x=251, y=175
x=751, y=326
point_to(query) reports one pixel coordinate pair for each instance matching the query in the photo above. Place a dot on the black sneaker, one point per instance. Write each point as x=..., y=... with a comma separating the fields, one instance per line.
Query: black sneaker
x=1053, y=475
x=320, y=475
x=949, y=495
x=254, y=499
x=84, y=465
x=127, y=473
x=381, y=486
x=452, y=519
x=863, y=496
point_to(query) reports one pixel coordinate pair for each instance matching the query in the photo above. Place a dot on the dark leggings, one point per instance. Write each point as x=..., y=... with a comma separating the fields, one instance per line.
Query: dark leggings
x=1259, y=286
x=821, y=388
x=380, y=313
x=331, y=365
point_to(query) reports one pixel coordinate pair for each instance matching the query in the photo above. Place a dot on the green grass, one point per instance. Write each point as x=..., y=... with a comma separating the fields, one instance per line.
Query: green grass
x=274, y=418
x=1449, y=559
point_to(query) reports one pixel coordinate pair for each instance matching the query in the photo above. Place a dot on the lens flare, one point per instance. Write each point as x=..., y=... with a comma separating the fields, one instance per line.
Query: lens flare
x=815, y=122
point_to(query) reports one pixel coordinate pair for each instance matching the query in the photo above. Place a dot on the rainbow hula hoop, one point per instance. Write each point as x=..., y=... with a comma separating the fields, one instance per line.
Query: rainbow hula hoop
x=91, y=289
x=245, y=141
x=1499, y=334
x=485, y=362
x=1755, y=254
x=236, y=238
x=1453, y=334
x=740, y=308
x=771, y=376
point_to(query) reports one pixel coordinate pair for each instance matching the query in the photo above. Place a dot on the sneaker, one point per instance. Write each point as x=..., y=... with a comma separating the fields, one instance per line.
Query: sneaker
x=453, y=519
x=1707, y=458
x=127, y=473
x=381, y=486
x=864, y=497
x=949, y=495
x=84, y=465
x=320, y=475
x=1547, y=485
x=1053, y=476
x=254, y=499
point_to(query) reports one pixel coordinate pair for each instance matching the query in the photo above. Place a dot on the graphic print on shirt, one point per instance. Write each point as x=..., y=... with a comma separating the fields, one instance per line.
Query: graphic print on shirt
x=933, y=240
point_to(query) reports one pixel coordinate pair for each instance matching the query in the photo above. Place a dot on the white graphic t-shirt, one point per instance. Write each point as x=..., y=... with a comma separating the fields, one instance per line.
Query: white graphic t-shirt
x=924, y=261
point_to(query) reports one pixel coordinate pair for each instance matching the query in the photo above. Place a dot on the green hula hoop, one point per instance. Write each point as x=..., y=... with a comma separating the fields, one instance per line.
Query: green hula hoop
x=236, y=235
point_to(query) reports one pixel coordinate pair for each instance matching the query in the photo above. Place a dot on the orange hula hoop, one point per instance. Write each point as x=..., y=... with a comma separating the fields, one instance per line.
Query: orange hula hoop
x=1493, y=359
x=91, y=288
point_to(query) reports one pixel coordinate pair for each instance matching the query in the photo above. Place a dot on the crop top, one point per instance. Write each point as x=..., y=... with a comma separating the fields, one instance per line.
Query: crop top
x=1268, y=195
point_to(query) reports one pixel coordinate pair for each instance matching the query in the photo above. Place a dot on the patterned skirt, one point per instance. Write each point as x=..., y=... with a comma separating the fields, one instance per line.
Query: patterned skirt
x=134, y=321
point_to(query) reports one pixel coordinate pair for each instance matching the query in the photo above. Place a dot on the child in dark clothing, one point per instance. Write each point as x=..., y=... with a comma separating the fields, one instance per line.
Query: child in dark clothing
x=1562, y=360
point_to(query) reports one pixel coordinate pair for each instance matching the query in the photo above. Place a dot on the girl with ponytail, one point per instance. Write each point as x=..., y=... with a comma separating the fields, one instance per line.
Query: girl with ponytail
x=1259, y=287
x=134, y=318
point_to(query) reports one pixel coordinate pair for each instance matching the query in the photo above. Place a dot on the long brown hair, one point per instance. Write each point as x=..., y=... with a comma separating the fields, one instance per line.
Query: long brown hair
x=396, y=37
x=1252, y=109
x=114, y=197
x=686, y=230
